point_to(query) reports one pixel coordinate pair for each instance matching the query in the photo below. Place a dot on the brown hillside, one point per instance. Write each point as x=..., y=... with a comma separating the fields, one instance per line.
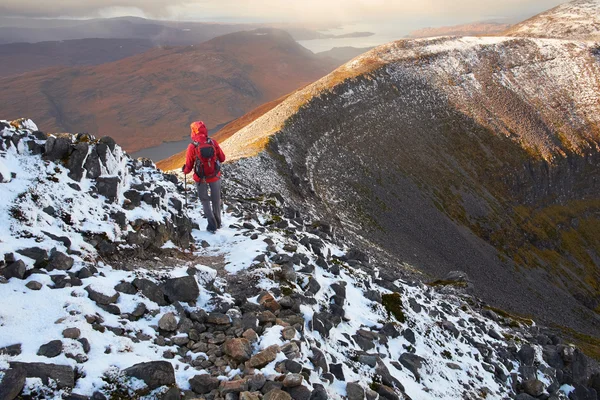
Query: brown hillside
x=146, y=99
x=177, y=160
x=19, y=58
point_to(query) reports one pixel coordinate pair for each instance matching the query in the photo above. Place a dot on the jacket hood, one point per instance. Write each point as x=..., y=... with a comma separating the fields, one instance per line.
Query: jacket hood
x=199, y=132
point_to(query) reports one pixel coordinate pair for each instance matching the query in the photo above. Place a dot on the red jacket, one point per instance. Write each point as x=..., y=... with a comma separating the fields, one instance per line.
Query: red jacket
x=200, y=135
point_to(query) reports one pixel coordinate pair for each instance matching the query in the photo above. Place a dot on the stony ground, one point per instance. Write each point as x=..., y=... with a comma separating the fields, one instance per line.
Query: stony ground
x=273, y=306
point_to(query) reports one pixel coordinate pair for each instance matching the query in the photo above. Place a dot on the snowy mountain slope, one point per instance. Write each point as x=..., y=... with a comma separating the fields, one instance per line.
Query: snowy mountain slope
x=273, y=304
x=473, y=154
x=577, y=20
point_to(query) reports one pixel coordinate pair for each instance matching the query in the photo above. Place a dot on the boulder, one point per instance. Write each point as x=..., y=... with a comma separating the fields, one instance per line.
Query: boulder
x=533, y=387
x=218, y=319
x=17, y=270
x=299, y=392
x=63, y=375
x=151, y=290
x=57, y=148
x=51, y=349
x=264, y=357
x=267, y=300
x=203, y=384
x=526, y=355
x=71, y=333
x=12, y=383
x=322, y=323
x=12, y=350
x=101, y=298
x=234, y=386
x=125, y=287
x=40, y=256
x=61, y=261
x=277, y=394
x=238, y=349
x=92, y=164
x=153, y=373
x=354, y=391
x=292, y=380
x=76, y=160
x=108, y=187
x=413, y=363
x=181, y=289
x=168, y=322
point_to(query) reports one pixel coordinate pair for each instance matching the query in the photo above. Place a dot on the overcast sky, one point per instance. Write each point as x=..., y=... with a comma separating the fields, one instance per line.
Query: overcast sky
x=284, y=10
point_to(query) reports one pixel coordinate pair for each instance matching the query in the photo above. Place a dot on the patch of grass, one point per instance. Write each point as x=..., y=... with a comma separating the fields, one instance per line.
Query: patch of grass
x=393, y=305
x=442, y=282
x=512, y=317
x=589, y=345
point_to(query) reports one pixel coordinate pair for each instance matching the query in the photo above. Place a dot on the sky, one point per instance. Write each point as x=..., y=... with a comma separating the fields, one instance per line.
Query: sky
x=289, y=11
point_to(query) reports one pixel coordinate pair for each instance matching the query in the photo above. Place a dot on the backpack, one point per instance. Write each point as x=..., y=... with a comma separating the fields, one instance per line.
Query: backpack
x=206, y=165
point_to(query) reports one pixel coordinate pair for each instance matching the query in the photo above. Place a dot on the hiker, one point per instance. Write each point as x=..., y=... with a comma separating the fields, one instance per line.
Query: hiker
x=204, y=156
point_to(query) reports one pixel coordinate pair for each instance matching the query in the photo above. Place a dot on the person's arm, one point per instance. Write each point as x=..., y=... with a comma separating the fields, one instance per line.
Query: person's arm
x=189, y=159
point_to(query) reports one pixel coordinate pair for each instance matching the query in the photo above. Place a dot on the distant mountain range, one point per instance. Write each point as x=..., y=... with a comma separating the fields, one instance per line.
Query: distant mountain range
x=149, y=98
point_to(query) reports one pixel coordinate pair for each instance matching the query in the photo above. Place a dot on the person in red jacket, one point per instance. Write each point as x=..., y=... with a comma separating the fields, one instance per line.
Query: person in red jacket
x=204, y=156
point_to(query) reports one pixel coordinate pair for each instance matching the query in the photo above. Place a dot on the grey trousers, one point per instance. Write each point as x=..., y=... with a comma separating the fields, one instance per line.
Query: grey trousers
x=211, y=203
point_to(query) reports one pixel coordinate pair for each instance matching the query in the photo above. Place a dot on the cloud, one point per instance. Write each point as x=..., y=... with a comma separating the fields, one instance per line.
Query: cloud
x=280, y=10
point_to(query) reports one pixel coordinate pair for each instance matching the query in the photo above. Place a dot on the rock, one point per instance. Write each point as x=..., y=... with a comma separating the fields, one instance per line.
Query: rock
x=60, y=261
x=413, y=363
x=526, y=355
x=85, y=344
x=218, y=319
x=16, y=269
x=318, y=393
x=409, y=335
x=368, y=359
x=63, y=375
x=533, y=387
x=238, y=349
x=292, y=380
x=34, y=285
x=277, y=394
x=371, y=394
x=57, y=148
x=151, y=291
x=299, y=392
x=338, y=371
x=250, y=335
x=313, y=287
x=203, y=384
x=449, y=326
x=153, y=373
x=62, y=239
x=76, y=160
x=256, y=382
x=125, y=287
x=40, y=256
x=92, y=164
x=101, y=298
x=183, y=289
x=387, y=392
x=288, y=273
x=267, y=300
x=249, y=396
x=354, y=391
x=51, y=349
x=235, y=386
x=71, y=333
x=12, y=350
x=322, y=323
x=264, y=357
x=108, y=187
x=288, y=333
x=357, y=255
x=168, y=322
x=319, y=361
x=12, y=383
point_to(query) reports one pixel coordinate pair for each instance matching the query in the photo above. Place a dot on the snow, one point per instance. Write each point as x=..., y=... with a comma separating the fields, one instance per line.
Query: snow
x=34, y=318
